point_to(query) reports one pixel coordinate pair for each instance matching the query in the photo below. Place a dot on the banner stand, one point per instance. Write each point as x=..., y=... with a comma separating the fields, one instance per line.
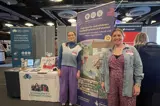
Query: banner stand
x=21, y=45
x=94, y=28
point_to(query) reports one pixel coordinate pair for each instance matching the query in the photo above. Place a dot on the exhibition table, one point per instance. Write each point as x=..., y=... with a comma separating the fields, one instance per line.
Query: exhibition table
x=39, y=86
x=32, y=85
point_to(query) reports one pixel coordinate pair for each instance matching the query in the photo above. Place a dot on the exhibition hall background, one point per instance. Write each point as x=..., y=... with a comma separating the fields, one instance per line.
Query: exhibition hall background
x=44, y=43
x=43, y=39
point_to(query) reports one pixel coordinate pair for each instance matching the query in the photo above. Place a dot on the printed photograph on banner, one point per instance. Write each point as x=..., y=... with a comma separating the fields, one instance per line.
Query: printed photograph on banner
x=39, y=90
x=88, y=87
x=86, y=47
x=99, y=51
x=39, y=87
x=91, y=88
x=90, y=68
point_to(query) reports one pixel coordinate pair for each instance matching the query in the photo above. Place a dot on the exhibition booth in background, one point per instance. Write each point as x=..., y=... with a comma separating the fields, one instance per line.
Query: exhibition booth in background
x=37, y=79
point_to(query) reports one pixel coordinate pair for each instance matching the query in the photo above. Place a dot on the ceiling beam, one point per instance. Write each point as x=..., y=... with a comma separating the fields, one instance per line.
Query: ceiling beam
x=19, y=15
x=70, y=7
x=149, y=15
x=87, y=6
x=48, y=12
x=140, y=4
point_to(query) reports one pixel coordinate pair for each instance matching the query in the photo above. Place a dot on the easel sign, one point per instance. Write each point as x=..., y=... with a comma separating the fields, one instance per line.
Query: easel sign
x=48, y=63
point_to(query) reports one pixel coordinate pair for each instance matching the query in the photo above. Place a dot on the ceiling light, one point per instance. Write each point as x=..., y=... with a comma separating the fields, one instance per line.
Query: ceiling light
x=8, y=32
x=138, y=11
x=153, y=21
x=36, y=16
x=123, y=22
x=50, y=24
x=126, y=19
x=71, y=20
x=56, y=0
x=10, y=2
x=28, y=24
x=8, y=25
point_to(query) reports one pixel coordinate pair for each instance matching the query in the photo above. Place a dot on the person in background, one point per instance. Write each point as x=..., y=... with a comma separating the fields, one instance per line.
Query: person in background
x=3, y=53
x=121, y=72
x=5, y=47
x=69, y=64
x=140, y=40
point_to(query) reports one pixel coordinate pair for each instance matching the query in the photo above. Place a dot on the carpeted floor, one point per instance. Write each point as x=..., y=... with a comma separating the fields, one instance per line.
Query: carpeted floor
x=7, y=101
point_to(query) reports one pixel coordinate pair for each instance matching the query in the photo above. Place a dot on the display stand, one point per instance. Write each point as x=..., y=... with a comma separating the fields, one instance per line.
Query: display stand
x=94, y=25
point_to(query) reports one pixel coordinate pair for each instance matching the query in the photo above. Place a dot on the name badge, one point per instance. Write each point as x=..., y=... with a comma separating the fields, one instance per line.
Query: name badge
x=74, y=53
x=129, y=52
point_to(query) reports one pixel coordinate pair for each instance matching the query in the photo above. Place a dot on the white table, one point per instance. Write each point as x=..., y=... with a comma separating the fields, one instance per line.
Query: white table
x=39, y=87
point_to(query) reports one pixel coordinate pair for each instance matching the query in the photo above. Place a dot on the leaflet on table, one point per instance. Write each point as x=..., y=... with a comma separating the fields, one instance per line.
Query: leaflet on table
x=44, y=71
x=29, y=69
x=29, y=63
x=14, y=69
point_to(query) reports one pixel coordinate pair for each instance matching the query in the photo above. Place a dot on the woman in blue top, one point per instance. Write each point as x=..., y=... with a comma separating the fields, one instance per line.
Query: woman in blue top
x=69, y=64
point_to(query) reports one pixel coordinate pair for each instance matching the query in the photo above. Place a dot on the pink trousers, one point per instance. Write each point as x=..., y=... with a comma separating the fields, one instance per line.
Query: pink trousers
x=115, y=97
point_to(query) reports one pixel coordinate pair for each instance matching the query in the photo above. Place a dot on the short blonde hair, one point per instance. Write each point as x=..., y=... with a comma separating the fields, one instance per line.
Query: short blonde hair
x=141, y=38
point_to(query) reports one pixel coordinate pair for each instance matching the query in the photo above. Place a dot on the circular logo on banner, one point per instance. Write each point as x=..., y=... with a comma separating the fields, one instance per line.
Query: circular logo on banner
x=93, y=14
x=107, y=38
x=99, y=13
x=87, y=16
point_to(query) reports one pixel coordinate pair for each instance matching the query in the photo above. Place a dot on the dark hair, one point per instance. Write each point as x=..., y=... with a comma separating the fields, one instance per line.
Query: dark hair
x=71, y=31
x=118, y=29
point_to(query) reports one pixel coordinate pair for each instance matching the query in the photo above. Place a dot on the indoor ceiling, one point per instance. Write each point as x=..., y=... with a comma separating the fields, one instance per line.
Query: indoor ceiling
x=147, y=13
x=39, y=12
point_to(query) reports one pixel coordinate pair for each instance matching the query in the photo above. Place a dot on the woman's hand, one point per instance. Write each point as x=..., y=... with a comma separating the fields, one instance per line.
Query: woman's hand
x=102, y=85
x=59, y=72
x=78, y=74
x=136, y=90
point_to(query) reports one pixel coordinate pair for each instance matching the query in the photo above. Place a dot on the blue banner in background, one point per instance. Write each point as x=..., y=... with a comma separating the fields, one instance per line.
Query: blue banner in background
x=96, y=23
x=21, y=45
